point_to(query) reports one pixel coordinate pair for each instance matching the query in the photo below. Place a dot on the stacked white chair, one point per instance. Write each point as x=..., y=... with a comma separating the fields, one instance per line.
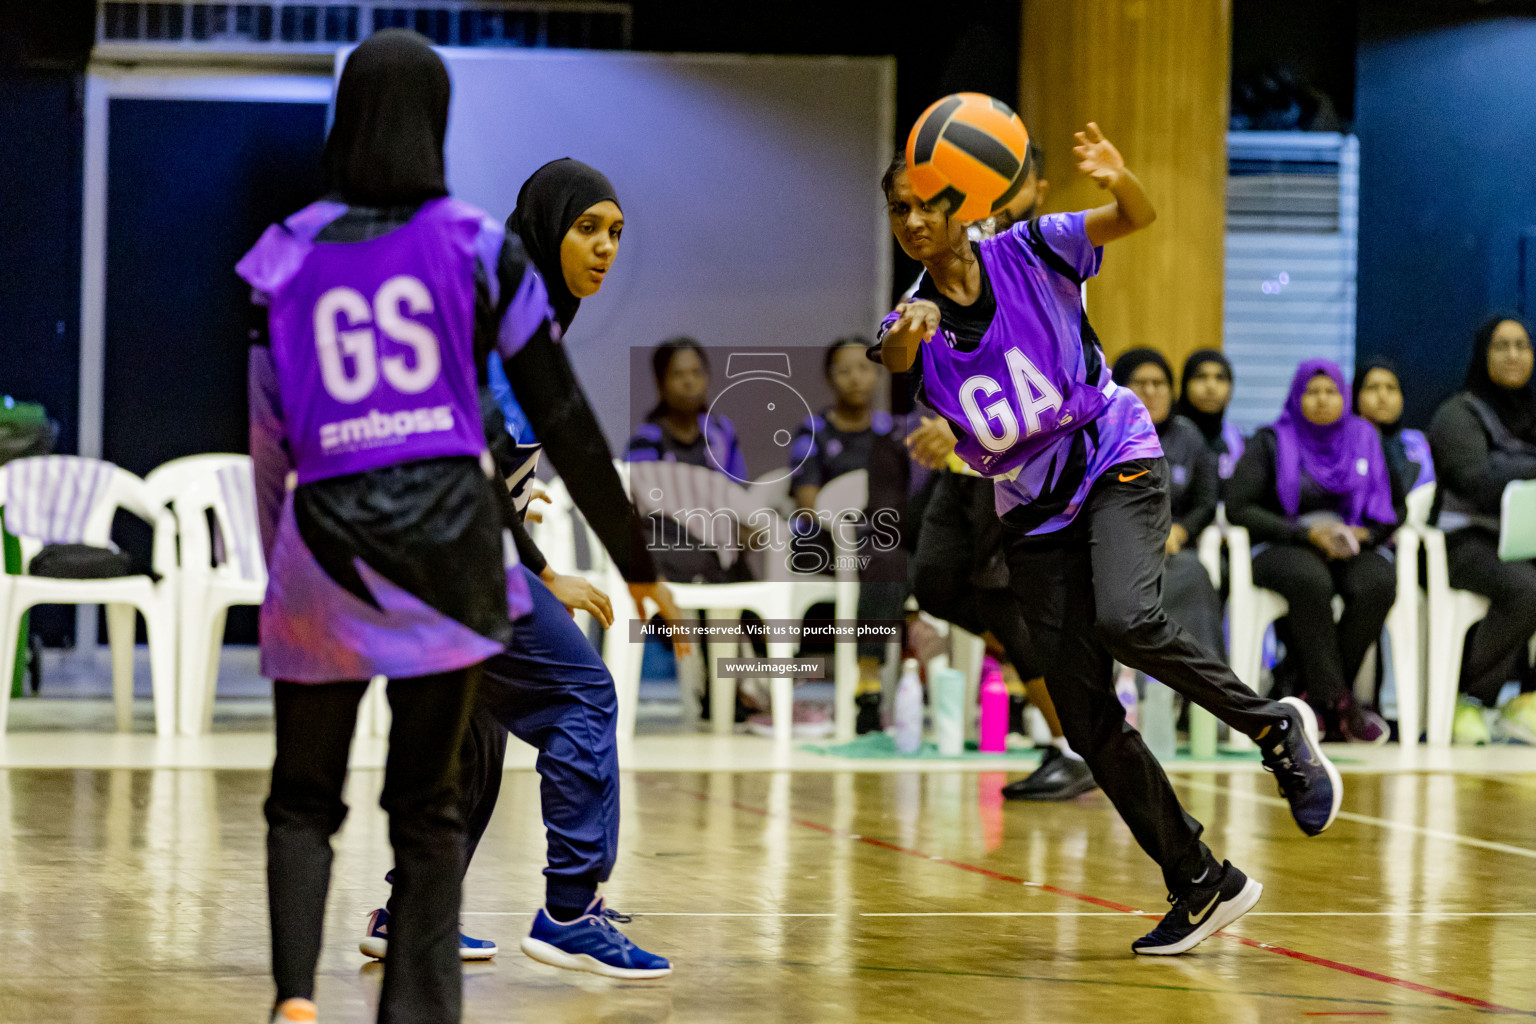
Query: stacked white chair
x=674, y=489
x=211, y=585
x=66, y=499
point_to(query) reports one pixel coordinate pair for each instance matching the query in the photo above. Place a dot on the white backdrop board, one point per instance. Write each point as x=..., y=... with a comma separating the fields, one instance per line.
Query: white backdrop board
x=750, y=188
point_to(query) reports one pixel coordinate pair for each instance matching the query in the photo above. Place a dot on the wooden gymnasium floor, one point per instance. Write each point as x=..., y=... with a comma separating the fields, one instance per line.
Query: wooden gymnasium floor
x=815, y=893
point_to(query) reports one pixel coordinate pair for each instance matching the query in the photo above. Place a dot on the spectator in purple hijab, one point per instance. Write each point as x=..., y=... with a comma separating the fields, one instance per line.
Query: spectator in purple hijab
x=1314, y=492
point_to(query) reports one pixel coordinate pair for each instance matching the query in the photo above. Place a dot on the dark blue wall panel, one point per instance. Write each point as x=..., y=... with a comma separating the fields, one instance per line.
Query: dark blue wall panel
x=191, y=185
x=41, y=140
x=1446, y=117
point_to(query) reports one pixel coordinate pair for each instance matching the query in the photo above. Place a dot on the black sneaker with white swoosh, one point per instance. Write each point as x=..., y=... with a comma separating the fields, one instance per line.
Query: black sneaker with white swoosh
x=1200, y=912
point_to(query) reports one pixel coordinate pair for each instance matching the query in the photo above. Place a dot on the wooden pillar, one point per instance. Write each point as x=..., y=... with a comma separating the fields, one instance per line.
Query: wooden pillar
x=1155, y=75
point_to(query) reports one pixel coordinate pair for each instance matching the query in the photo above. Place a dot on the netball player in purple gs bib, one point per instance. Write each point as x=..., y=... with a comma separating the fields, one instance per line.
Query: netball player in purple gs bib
x=997, y=335
x=383, y=532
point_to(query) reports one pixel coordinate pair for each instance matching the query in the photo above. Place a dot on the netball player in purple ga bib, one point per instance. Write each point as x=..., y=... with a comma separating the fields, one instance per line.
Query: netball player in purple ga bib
x=997, y=335
x=382, y=530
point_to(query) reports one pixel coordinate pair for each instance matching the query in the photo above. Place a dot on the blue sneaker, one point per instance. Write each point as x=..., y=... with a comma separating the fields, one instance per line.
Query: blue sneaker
x=376, y=940
x=1293, y=754
x=1200, y=913
x=592, y=943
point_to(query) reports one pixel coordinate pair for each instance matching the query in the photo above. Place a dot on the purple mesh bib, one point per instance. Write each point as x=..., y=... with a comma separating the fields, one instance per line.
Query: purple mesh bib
x=1026, y=384
x=373, y=340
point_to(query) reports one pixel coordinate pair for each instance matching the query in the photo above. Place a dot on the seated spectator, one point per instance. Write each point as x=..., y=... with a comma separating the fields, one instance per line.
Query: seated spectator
x=1188, y=595
x=1483, y=438
x=849, y=436
x=1205, y=391
x=1378, y=397
x=1314, y=493
x=680, y=429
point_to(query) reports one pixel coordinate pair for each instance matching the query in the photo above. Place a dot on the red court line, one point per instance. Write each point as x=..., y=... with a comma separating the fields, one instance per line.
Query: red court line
x=975, y=869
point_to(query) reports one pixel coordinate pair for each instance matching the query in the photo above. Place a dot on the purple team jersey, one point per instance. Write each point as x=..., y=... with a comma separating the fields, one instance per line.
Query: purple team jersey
x=371, y=364
x=1023, y=393
x=371, y=339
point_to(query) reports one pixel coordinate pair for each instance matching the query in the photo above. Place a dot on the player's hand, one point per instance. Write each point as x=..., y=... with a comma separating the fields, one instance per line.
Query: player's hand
x=919, y=317
x=1177, y=538
x=932, y=442
x=531, y=514
x=1097, y=157
x=659, y=595
x=579, y=595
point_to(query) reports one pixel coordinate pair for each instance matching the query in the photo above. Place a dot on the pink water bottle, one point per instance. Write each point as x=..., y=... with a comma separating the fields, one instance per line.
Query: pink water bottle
x=994, y=708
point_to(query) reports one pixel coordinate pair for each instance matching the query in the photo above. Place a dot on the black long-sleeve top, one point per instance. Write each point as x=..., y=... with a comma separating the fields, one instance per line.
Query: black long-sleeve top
x=1196, y=479
x=1467, y=463
x=1253, y=501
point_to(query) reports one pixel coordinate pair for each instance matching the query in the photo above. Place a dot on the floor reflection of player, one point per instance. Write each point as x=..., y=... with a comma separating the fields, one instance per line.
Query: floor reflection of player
x=996, y=335
x=959, y=570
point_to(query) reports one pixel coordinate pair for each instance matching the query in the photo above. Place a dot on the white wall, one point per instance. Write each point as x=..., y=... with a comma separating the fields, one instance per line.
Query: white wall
x=750, y=188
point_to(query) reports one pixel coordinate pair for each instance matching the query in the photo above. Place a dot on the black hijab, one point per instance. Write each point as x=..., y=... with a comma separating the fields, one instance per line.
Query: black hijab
x=1210, y=423
x=547, y=205
x=1517, y=407
x=1134, y=359
x=386, y=144
x=1361, y=371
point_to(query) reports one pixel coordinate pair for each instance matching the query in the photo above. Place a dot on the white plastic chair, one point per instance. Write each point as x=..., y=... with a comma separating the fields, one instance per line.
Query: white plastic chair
x=1405, y=620
x=169, y=479
x=673, y=488
x=209, y=590
x=1250, y=612
x=1253, y=609
x=1451, y=613
x=162, y=484
x=66, y=499
x=1202, y=724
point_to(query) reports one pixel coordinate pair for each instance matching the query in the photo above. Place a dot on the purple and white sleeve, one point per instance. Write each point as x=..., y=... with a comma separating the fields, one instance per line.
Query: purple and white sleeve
x=271, y=462
x=527, y=312
x=1067, y=235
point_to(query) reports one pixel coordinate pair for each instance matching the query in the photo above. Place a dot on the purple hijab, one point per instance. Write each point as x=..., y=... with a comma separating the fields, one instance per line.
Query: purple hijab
x=1344, y=458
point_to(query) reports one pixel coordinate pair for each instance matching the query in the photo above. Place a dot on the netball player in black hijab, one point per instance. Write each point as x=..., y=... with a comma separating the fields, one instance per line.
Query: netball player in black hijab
x=569, y=219
x=386, y=143
x=549, y=687
x=1483, y=438
x=418, y=515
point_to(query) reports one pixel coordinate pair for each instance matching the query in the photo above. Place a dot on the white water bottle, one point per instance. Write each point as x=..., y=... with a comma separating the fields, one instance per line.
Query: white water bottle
x=947, y=686
x=909, y=710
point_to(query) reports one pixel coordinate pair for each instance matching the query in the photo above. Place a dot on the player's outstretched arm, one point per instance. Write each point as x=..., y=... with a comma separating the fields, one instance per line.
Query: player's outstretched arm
x=546, y=387
x=917, y=321
x=1131, y=210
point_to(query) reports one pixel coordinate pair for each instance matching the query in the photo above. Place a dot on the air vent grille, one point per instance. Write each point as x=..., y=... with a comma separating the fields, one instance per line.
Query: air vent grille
x=124, y=26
